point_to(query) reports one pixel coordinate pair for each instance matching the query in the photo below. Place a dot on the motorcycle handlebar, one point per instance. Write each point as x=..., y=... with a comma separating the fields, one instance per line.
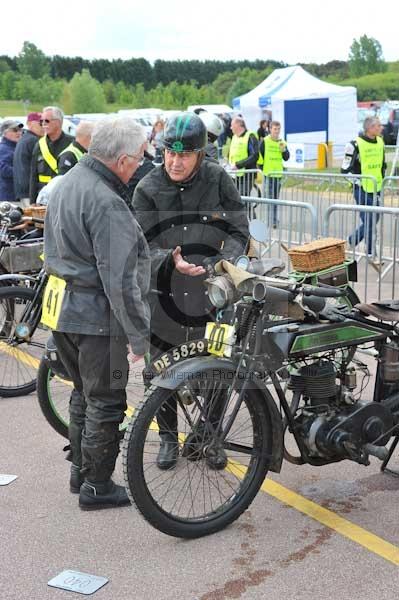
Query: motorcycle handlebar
x=323, y=292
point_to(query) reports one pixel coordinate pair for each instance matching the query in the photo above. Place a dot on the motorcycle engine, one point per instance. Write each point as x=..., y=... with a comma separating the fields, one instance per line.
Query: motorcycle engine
x=332, y=423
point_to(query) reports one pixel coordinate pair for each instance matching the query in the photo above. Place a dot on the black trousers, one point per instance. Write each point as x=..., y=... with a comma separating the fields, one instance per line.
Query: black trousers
x=99, y=371
x=167, y=415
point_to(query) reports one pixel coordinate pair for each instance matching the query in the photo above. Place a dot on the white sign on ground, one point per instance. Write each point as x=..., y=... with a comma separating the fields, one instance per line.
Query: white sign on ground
x=74, y=581
x=6, y=479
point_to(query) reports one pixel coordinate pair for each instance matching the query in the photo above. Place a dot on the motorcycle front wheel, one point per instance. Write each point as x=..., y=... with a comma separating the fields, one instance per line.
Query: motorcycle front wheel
x=194, y=498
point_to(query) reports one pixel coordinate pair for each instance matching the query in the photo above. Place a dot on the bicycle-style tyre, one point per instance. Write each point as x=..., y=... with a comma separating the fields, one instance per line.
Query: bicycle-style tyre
x=194, y=499
x=54, y=407
x=53, y=393
x=19, y=358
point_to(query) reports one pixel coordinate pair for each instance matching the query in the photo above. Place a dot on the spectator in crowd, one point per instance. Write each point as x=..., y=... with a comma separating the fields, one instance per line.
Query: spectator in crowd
x=227, y=133
x=94, y=244
x=48, y=148
x=23, y=157
x=145, y=167
x=273, y=150
x=156, y=139
x=243, y=155
x=263, y=129
x=365, y=155
x=10, y=132
x=76, y=149
x=190, y=212
x=215, y=128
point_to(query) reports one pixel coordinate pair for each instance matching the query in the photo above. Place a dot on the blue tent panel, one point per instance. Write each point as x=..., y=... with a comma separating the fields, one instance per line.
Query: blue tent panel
x=265, y=101
x=302, y=116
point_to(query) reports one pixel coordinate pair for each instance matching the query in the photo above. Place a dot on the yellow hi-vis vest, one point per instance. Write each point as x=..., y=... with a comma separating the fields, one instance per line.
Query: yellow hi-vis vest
x=272, y=160
x=239, y=150
x=75, y=151
x=49, y=158
x=371, y=161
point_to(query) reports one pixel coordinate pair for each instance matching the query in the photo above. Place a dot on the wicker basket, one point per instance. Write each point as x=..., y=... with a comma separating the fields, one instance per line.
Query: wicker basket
x=36, y=211
x=317, y=255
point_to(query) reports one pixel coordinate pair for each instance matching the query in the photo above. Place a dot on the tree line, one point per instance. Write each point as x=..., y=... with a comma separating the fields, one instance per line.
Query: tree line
x=82, y=85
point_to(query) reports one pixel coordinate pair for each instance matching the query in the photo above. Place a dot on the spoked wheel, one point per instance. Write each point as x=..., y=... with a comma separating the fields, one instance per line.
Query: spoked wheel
x=194, y=498
x=54, y=392
x=19, y=358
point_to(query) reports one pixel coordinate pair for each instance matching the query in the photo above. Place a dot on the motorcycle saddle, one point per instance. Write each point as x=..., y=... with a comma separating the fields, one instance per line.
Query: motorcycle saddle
x=385, y=310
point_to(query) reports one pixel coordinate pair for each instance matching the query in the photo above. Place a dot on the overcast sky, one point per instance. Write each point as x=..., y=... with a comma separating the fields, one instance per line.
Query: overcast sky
x=306, y=31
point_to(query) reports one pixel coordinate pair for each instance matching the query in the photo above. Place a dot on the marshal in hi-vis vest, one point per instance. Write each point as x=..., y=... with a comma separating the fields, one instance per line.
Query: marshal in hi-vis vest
x=239, y=150
x=75, y=151
x=273, y=157
x=49, y=159
x=371, y=161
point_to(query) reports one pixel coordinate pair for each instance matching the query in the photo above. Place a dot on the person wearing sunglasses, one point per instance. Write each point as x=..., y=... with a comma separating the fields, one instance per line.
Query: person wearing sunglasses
x=10, y=131
x=46, y=152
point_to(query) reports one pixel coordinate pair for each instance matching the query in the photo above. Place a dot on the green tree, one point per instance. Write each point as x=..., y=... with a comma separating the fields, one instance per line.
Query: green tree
x=365, y=57
x=32, y=61
x=109, y=91
x=87, y=95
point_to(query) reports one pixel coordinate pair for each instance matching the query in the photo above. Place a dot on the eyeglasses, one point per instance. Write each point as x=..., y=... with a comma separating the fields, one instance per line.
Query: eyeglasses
x=140, y=159
x=46, y=121
x=15, y=129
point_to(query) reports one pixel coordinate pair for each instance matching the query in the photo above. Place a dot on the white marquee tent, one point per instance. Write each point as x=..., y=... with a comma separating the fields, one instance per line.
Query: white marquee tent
x=309, y=110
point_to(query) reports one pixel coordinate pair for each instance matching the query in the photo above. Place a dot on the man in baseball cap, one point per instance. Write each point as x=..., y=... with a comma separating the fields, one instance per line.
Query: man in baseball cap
x=10, y=131
x=10, y=125
x=23, y=157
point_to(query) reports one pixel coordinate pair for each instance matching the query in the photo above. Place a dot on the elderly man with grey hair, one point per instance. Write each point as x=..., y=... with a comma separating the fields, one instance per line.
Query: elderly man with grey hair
x=365, y=155
x=77, y=149
x=47, y=150
x=96, y=249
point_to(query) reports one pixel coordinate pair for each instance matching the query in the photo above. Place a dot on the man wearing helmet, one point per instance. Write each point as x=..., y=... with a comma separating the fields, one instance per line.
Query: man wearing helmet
x=215, y=128
x=190, y=211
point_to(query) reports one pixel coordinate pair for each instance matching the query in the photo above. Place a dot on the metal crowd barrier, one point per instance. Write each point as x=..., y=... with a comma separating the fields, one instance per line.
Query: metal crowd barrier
x=390, y=191
x=302, y=214
x=319, y=189
x=249, y=182
x=378, y=269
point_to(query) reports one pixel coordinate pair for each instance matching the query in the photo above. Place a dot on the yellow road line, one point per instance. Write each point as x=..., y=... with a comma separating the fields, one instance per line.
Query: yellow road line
x=327, y=517
x=20, y=354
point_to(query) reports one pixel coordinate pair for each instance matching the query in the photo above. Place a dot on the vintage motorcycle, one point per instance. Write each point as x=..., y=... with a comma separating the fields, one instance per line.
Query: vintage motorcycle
x=280, y=378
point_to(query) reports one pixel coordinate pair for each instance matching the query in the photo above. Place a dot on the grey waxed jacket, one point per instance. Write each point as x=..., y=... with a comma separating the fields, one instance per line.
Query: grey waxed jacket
x=93, y=242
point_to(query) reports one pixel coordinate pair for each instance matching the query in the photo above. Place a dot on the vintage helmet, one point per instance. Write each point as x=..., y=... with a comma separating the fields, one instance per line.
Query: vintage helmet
x=185, y=132
x=212, y=122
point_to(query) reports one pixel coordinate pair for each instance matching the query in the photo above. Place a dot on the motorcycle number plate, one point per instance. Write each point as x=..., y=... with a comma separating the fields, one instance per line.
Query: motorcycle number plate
x=220, y=338
x=52, y=301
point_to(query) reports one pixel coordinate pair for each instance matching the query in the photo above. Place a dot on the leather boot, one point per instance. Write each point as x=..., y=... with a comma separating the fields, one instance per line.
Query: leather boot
x=76, y=479
x=199, y=444
x=168, y=452
x=104, y=494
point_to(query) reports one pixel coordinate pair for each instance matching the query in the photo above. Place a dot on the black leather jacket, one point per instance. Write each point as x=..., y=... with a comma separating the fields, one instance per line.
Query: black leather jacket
x=207, y=219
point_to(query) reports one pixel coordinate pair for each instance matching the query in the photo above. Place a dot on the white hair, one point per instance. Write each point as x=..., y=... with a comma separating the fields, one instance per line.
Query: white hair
x=369, y=122
x=84, y=129
x=57, y=112
x=114, y=136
